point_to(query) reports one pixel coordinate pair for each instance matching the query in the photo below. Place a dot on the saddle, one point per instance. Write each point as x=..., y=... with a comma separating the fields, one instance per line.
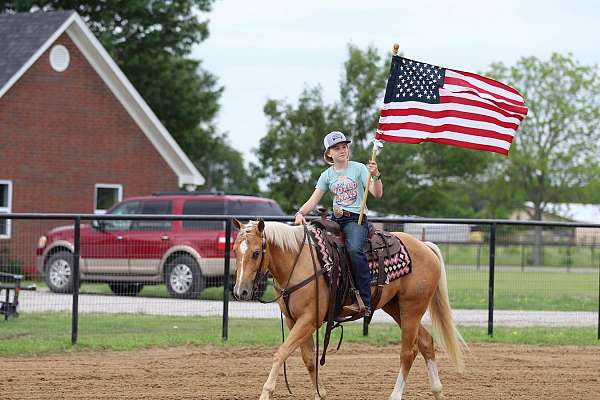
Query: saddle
x=385, y=254
x=387, y=257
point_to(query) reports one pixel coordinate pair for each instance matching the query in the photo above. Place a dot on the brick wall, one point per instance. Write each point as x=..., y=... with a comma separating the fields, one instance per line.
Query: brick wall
x=63, y=132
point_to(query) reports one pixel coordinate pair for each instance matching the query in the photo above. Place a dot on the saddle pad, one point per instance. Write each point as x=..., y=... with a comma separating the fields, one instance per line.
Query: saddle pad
x=319, y=237
x=396, y=266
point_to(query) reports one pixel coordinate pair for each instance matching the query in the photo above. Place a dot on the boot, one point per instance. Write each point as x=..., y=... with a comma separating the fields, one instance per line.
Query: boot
x=355, y=309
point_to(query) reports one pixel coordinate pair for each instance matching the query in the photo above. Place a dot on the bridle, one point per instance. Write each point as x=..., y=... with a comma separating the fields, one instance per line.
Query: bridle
x=262, y=271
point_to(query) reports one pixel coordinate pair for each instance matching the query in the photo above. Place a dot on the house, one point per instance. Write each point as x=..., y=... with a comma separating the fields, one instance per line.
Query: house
x=568, y=212
x=75, y=135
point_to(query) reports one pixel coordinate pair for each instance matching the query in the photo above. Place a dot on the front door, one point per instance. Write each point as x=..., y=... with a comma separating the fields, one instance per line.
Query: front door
x=149, y=240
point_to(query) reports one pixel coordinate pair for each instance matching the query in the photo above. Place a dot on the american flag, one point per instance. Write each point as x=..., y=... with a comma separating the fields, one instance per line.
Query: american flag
x=426, y=103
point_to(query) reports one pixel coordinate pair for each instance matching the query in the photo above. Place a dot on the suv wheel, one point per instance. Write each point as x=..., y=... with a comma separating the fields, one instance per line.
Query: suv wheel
x=126, y=288
x=59, y=272
x=183, y=278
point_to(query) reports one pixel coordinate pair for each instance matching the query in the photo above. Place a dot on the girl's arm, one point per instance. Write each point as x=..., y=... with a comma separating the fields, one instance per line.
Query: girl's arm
x=307, y=207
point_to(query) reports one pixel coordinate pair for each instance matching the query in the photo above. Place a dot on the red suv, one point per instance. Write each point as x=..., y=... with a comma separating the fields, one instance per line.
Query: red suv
x=186, y=256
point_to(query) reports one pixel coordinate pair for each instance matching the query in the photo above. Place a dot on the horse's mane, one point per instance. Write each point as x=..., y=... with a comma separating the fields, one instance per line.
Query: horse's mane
x=284, y=236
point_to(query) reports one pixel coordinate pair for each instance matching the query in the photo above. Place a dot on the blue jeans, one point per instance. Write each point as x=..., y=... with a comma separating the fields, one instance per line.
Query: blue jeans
x=356, y=237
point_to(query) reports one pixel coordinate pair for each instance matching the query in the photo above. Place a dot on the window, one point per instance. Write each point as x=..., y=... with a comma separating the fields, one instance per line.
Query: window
x=254, y=208
x=130, y=207
x=107, y=195
x=158, y=207
x=199, y=207
x=5, y=207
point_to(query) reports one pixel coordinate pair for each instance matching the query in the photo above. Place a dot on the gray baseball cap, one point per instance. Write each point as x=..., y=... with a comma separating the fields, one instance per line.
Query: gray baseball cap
x=334, y=138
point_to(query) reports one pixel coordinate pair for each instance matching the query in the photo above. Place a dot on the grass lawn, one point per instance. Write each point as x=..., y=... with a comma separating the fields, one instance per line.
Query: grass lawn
x=549, y=291
x=34, y=334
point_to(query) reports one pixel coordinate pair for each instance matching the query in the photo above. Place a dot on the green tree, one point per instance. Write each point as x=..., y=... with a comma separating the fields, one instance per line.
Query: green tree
x=290, y=154
x=555, y=154
x=423, y=180
x=151, y=41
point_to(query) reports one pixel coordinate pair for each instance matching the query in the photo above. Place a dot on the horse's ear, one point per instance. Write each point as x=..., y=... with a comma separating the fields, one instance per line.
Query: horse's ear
x=261, y=225
x=237, y=223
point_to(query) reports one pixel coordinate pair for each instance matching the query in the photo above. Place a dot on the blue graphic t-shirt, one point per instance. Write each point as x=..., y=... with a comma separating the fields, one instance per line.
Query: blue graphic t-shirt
x=347, y=187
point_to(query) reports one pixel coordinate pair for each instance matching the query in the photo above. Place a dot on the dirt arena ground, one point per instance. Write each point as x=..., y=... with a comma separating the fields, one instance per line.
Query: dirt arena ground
x=355, y=372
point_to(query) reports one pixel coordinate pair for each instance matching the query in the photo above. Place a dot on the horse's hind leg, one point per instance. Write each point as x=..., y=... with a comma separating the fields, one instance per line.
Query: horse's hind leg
x=427, y=349
x=300, y=331
x=308, y=356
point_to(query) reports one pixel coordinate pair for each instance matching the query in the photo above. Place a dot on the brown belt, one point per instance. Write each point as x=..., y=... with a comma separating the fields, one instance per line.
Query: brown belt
x=339, y=213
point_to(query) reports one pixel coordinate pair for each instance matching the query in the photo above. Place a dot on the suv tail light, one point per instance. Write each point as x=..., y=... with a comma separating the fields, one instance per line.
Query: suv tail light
x=221, y=242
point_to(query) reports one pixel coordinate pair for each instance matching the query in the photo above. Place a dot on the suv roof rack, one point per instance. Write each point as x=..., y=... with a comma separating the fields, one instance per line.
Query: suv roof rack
x=216, y=193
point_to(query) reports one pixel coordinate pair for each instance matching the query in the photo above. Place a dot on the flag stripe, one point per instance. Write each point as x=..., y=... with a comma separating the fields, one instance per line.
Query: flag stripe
x=445, y=128
x=460, y=90
x=463, y=100
x=451, y=119
x=458, y=85
x=476, y=83
x=488, y=81
x=450, y=109
x=416, y=137
x=469, y=99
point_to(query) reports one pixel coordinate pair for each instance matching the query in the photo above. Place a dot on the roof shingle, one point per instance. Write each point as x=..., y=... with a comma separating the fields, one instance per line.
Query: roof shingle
x=22, y=34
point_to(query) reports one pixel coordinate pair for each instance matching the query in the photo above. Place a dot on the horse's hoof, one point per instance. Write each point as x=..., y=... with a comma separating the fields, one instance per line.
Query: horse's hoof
x=438, y=395
x=265, y=395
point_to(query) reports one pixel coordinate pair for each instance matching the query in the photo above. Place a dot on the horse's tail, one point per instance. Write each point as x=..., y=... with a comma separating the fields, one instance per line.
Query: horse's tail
x=441, y=317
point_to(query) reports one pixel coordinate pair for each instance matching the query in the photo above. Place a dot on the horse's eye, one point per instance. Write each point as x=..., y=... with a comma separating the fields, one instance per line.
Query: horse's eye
x=255, y=254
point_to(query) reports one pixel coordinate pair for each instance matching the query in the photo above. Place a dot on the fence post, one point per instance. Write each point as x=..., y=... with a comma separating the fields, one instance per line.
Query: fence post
x=491, y=280
x=598, y=301
x=226, y=282
x=75, y=308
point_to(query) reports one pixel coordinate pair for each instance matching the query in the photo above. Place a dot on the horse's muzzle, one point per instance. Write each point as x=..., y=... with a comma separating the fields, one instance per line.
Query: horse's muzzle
x=243, y=291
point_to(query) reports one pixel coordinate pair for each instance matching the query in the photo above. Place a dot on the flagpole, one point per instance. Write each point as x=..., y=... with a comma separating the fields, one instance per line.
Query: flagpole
x=373, y=158
x=364, y=200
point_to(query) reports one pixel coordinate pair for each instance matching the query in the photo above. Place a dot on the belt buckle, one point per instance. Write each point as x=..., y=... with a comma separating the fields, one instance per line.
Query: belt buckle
x=338, y=212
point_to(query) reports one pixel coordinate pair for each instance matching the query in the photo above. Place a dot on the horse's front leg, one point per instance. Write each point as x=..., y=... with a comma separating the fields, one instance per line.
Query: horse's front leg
x=308, y=356
x=302, y=330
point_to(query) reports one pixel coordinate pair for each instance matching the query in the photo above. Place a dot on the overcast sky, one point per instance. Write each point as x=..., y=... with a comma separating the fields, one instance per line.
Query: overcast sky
x=273, y=49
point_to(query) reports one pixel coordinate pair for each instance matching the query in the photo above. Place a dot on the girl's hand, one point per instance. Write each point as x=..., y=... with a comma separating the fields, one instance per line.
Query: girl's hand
x=372, y=167
x=299, y=219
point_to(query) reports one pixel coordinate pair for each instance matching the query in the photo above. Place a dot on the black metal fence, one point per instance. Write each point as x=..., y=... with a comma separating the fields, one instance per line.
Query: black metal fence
x=497, y=269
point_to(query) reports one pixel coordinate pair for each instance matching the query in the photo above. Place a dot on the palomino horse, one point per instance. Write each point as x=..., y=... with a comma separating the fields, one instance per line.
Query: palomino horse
x=275, y=246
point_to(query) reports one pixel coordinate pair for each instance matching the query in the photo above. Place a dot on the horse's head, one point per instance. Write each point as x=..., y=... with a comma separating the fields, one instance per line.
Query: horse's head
x=250, y=258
